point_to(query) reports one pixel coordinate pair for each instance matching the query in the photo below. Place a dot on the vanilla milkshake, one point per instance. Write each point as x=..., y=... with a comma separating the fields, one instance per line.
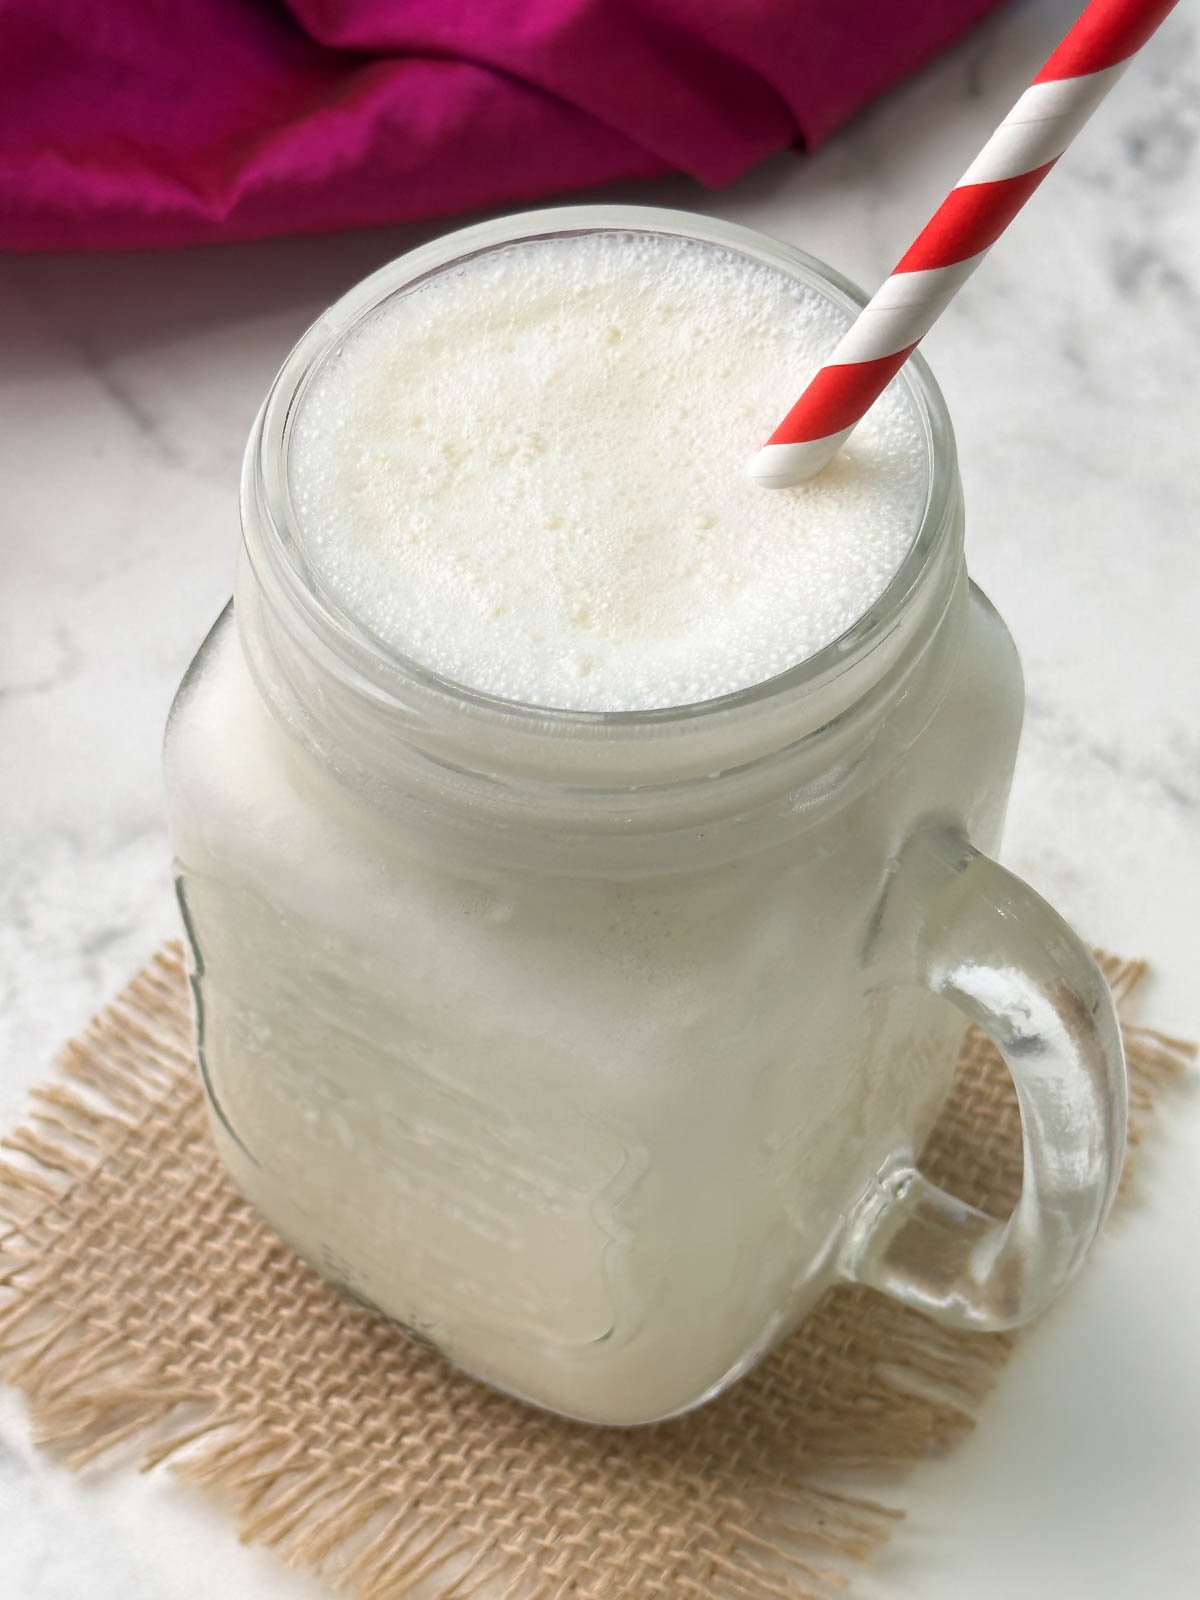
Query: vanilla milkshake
x=535, y=809
x=527, y=474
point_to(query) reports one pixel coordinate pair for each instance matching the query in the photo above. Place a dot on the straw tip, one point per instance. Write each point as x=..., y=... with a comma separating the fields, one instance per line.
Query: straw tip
x=782, y=466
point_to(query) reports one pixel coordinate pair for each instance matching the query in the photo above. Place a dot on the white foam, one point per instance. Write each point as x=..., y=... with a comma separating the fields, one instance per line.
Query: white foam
x=529, y=474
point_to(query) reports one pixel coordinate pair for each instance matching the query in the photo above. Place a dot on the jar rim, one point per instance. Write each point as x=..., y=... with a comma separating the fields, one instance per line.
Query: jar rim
x=279, y=560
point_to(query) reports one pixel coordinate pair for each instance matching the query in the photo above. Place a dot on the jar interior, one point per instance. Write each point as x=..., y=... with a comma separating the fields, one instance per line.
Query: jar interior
x=763, y=587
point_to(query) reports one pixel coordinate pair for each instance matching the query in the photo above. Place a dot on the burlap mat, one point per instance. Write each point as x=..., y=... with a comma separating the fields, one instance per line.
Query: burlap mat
x=145, y=1306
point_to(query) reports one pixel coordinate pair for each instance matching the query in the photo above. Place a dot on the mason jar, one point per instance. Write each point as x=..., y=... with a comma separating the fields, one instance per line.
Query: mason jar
x=592, y=1047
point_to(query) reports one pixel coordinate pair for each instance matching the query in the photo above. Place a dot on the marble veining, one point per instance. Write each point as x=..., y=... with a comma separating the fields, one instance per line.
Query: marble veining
x=1070, y=362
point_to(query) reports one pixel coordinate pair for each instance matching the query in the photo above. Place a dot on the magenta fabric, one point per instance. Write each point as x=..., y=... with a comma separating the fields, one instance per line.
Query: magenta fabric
x=131, y=123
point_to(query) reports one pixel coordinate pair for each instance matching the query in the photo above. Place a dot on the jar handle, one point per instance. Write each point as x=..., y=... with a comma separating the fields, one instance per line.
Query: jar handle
x=986, y=942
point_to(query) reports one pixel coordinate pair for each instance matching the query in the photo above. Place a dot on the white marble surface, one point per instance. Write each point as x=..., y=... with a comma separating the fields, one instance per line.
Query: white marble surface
x=1070, y=365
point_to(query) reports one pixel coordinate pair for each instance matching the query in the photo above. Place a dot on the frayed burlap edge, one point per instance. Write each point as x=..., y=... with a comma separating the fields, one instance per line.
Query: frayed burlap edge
x=143, y=1304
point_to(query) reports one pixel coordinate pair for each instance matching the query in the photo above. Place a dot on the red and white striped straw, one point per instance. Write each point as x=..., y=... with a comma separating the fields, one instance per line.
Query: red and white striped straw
x=957, y=237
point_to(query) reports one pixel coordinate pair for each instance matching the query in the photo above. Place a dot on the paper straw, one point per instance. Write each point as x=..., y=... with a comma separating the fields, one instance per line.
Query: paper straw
x=957, y=237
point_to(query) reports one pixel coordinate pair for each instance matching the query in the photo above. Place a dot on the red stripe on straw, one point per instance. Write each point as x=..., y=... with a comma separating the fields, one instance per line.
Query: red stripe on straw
x=1105, y=34
x=968, y=220
x=837, y=398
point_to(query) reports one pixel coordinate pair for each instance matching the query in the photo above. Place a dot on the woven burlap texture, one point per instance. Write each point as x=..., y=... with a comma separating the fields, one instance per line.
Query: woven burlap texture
x=146, y=1307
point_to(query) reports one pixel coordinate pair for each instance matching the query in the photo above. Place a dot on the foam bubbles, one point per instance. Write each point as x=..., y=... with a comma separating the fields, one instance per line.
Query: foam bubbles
x=529, y=474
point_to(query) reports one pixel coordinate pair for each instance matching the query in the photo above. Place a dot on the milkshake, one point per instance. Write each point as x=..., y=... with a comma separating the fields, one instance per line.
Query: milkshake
x=535, y=809
x=528, y=474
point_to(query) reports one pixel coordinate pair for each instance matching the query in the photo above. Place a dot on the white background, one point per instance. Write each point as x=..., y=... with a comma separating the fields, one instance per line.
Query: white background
x=1070, y=365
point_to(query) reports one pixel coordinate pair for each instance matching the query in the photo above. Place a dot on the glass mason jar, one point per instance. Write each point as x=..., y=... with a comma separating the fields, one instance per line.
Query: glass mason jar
x=592, y=1047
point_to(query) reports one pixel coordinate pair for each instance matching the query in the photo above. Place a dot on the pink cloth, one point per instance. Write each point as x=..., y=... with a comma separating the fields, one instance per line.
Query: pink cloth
x=126, y=123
